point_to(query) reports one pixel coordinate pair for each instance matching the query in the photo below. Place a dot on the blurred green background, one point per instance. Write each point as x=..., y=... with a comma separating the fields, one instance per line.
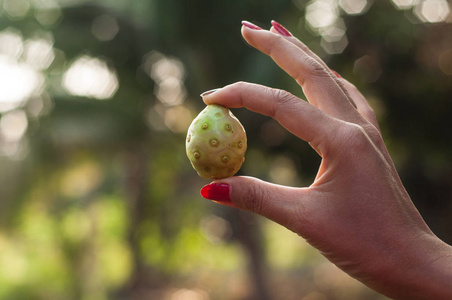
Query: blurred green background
x=97, y=197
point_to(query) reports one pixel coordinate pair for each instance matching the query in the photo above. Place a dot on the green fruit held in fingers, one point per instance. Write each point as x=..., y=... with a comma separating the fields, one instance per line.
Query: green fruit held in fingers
x=216, y=143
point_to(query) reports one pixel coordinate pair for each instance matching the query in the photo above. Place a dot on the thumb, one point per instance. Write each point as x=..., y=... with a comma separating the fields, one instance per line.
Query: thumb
x=282, y=204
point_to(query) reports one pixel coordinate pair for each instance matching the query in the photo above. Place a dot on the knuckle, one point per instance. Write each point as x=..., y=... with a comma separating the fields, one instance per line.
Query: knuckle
x=376, y=137
x=313, y=70
x=282, y=99
x=257, y=200
x=368, y=111
x=239, y=85
x=364, y=107
x=356, y=138
x=282, y=95
x=350, y=86
x=315, y=67
x=370, y=115
x=254, y=199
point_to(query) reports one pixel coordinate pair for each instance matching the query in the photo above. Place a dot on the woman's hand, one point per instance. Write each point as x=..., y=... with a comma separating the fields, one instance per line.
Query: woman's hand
x=356, y=212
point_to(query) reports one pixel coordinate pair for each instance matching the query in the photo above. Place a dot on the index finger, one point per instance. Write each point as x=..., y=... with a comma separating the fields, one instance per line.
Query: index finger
x=297, y=116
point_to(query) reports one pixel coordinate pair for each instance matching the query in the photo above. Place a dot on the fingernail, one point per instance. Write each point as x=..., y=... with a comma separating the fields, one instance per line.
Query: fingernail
x=335, y=73
x=208, y=92
x=283, y=31
x=217, y=192
x=251, y=25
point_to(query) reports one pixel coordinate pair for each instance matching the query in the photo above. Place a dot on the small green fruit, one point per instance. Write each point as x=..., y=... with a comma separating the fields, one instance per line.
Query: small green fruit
x=216, y=143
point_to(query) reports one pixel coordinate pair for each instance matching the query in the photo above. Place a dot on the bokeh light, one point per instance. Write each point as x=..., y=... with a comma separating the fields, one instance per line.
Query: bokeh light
x=321, y=13
x=168, y=74
x=90, y=77
x=404, y=4
x=13, y=125
x=216, y=229
x=367, y=68
x=324, y=18
x=178, y=118
x=432, y=11
x=11, y=43
x=16, y=9
x=354, y=7
x=38, y=53
x=18, y=82
x=105, y=28
x=47, y=12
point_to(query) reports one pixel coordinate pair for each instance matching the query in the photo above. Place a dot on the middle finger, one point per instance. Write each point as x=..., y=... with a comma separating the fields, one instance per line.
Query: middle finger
x=318, y=85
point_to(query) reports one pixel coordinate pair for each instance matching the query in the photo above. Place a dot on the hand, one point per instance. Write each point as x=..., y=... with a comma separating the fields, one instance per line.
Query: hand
x=356, y=212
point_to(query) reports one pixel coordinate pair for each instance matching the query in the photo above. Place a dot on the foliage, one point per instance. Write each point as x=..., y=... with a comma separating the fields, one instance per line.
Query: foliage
x=98, y=199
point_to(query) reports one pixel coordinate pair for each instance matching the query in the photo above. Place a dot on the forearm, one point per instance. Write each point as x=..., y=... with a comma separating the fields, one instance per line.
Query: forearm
x=422, y=272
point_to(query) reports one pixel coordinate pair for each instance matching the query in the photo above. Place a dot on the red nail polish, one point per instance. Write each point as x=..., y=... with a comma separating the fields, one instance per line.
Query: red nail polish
x=251, y=25
x=283, y=31
x=335, y=73
x=216, y=192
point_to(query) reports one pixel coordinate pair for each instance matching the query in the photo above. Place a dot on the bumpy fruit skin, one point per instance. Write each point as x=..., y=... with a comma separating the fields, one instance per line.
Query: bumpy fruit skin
x=216, y=143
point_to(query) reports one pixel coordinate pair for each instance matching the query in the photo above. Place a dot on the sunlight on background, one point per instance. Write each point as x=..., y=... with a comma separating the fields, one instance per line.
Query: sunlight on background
x=168, y=73
x=11, y=43
x=47, y=12
x=178, y=118
x=38, y=52
x=427, y=11
x=13, y=125
x=18, y=80
x=323, y=17
x=16, y=8
x=432, y=11
x=404, y=4
x=90, y=77
x=21, y=79
x=321, y=14
x=354, y=7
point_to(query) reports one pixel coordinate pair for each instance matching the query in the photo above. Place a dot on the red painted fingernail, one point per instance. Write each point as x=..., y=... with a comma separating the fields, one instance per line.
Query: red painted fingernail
x=208, y=92
x=216, y=192
x=335, y=73
x=281, y=29
x=251, y=25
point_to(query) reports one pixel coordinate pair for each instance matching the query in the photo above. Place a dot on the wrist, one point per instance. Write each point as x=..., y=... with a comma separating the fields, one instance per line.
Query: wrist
x=421, y=270
x=434, y=270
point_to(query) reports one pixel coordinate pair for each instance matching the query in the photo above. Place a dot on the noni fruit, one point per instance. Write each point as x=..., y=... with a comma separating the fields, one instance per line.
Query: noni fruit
x=216, y=143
